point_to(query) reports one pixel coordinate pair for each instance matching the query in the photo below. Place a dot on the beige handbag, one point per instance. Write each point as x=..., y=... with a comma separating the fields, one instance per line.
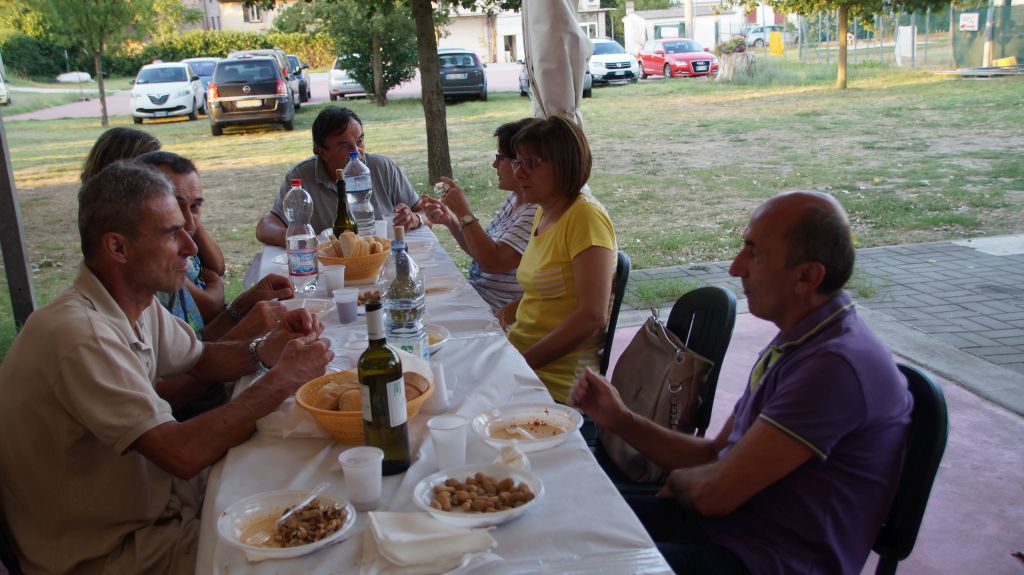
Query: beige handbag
x=659, y=378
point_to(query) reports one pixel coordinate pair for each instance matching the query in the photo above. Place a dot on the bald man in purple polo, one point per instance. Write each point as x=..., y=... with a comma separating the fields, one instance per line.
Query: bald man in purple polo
x=800, y=477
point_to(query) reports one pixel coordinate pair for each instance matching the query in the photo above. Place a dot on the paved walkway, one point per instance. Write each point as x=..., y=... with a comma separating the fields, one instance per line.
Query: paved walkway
x=956, y=308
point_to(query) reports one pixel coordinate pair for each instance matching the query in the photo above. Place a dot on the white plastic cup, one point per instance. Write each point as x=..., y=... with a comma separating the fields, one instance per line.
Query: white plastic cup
x=354, y=349
x=346, y=300
x=448, y=432
x=333, y=277
x=361, y=467
x=438, y=401
x=387, y=229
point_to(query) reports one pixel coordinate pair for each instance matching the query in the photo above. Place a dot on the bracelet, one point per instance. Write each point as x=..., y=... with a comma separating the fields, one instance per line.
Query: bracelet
x=233, y=312
x=255, y=357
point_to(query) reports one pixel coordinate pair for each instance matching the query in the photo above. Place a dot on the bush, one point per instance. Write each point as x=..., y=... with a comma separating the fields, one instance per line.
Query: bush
x=29, y=56
x=734, y=45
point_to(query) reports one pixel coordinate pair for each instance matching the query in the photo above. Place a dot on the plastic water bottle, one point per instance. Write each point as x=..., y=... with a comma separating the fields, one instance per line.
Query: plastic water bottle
x=300, y=239
x=402, y=296
x=359, y=188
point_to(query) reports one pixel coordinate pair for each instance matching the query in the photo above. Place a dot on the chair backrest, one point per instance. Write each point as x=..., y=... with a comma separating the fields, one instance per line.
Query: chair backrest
x=703, y=320
x=929, y=427
x=618, y=291
x=8, y=553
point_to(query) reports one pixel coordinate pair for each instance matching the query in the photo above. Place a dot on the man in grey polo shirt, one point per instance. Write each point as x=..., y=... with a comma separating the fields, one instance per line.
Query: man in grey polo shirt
x=336, y=132
x=802, y=474
x=96, y=476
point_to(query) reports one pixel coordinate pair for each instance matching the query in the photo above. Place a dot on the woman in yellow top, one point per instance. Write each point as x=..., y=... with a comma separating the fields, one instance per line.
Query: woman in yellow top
x=566, y=271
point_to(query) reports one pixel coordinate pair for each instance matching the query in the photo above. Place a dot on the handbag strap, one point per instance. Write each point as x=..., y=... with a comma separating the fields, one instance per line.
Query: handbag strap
x=674, y=389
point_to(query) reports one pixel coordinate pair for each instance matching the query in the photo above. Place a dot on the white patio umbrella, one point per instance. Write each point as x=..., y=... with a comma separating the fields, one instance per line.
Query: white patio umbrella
x=557, y=51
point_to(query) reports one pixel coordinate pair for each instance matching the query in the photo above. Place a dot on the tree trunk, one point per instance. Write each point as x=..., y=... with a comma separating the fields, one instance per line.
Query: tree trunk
x=438, y=159
x=97, y=59
x=380, y=96
x=844, y=11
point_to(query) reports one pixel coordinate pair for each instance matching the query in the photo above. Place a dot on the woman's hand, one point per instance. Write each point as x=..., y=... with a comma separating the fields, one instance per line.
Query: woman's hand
x=455, y=199
x=437, y=211
x=506, y=314
x=405, y=216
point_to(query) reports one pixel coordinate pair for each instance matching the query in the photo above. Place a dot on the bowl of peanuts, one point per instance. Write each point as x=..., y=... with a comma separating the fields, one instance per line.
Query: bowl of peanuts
x=478, y=495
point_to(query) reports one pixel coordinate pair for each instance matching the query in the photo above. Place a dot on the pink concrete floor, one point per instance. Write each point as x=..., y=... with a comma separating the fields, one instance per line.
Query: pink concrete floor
x=975, y=517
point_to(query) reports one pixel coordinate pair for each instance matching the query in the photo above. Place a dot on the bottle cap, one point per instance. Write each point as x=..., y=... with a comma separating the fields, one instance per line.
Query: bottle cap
x=400, y=233
x=372, y=305
x=353, y=154
x=296, y=183
x=339, y=174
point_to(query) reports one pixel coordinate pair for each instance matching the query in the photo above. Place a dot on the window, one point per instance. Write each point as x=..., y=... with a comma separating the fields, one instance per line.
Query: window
x=590, y=29
x=252, y=14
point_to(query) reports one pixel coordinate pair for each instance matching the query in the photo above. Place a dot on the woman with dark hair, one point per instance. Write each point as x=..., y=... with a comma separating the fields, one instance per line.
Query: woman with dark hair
x=117, y=144
x=497, y=249
x=567, y=268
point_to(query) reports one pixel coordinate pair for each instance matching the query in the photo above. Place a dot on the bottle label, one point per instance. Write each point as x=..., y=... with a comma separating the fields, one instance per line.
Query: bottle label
x=397, y=410
x=415, y=347
x=302, y=262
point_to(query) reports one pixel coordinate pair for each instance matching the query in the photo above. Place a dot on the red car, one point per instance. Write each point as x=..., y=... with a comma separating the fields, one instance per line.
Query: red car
x=670, y=57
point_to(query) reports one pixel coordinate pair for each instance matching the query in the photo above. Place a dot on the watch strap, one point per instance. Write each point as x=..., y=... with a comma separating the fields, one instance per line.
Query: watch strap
x=255, y=357
x=466, y=220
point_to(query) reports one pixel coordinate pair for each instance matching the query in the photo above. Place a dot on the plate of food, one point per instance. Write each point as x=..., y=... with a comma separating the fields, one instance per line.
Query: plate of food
x=439, y=285
x=502, y=494
x=316, y=306
x=436, y=336
x=530, y=426
x=364, y=296
x=249, y=524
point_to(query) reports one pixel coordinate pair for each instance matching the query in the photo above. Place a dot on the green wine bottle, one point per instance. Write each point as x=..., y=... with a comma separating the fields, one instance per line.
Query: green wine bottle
x=343, y=221
x=382, y=393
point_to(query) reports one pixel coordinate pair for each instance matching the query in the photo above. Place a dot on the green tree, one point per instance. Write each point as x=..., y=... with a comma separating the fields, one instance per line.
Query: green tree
x=168, y=17
x=304, y=17
x=618, y=11
x=375, y=42
x=98, y=26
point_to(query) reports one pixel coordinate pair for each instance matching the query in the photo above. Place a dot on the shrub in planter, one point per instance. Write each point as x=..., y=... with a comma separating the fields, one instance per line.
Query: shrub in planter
x=734, y=45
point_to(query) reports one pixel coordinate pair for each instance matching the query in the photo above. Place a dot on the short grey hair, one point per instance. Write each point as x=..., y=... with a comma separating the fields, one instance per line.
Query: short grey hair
x=822, y=234
x=112, y=201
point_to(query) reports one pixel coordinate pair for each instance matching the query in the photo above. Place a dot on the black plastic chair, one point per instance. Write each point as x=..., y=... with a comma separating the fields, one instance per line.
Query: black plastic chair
x=8, y=553
x=618, y=292
x=703, y=319
x=929, y=428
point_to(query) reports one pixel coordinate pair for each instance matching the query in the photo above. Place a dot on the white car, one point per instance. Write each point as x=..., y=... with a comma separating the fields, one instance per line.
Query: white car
x=5, y=96
x=610, y=63
x=165, y=90
x=340, y=85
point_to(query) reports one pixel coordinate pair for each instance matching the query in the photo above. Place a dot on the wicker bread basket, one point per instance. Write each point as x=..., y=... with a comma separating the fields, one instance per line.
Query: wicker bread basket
x=357, y=268
x=345, y=426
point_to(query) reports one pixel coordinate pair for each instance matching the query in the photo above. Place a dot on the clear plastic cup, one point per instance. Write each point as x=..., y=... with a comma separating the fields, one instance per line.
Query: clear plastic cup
x=361, y=467
x=333, y=277
x=346, y=300
x=438, y=401
x=387, y=228
x=448, y=432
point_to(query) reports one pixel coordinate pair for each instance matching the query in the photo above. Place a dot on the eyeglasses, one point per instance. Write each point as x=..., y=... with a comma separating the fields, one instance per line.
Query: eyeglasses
x=500, y=157
x=528, y=164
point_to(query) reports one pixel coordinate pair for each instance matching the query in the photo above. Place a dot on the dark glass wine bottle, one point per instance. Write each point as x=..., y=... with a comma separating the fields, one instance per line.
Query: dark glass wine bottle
x=343, y=221
x=382, y=393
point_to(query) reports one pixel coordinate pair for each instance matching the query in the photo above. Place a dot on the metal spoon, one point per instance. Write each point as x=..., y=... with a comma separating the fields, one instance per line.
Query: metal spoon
x=260, y=538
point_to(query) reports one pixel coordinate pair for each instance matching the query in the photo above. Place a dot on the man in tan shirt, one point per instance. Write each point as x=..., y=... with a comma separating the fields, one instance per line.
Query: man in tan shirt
x=96, y=476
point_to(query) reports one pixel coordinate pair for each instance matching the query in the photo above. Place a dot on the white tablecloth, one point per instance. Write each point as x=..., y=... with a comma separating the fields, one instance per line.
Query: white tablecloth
x=580, y=525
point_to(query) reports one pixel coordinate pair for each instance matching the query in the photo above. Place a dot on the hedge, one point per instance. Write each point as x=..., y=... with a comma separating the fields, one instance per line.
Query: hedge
x=29, y=56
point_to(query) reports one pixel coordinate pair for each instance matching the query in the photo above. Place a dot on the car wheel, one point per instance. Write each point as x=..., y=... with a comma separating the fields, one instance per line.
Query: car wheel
x=758, y=43
x=588, y=93
x=289, y=125
x=298, y=104
x=193, y=115
x=522, y=92
x=136, y=119
x=667, y=72
x=643, y=73
x=483, y=96
x=305, y=96
x=216, y=130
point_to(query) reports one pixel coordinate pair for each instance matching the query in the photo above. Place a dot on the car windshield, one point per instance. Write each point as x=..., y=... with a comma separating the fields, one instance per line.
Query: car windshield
x=161, y=76
x=681, y=47
x=244, y=71
x=294, y=61
x=457, y=60
x=607, y=48
x=203, y=68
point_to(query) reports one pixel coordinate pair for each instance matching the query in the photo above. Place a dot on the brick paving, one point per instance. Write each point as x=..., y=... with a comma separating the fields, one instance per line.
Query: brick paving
x=955, y=293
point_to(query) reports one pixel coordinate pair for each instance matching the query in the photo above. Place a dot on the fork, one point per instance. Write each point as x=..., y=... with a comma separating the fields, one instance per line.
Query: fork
x=260, y=539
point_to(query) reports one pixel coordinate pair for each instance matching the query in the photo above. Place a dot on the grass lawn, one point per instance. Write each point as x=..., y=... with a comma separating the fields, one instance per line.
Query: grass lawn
x=679, y=163
x=23, y=102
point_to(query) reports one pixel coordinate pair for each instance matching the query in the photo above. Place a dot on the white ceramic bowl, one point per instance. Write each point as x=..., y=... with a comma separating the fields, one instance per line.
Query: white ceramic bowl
x=521, y=414
x=233, y=522
x=437, y=335
x=316, y=306
x=423, y=493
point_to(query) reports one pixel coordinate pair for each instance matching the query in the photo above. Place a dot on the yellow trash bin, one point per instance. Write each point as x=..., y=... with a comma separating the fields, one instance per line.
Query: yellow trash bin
x=775, y=43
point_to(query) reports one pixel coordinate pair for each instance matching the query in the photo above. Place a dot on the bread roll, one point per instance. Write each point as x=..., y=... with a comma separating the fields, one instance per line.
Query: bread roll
x=349, y=400
x=328, y=396
x=415, y=385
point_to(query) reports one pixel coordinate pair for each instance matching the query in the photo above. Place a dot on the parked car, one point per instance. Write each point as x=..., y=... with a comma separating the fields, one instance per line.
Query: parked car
x=282, y=63
x=165, y=90
x=249, y=91
x=672, y=57
x=524, y=83
x=202, y=67
x=610, y=63
x=5, y=95
x=299, y=68
x=340, y=84
x=760, y=35
x=462, y=74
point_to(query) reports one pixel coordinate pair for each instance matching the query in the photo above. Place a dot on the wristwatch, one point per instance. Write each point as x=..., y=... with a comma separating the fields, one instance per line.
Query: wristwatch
x=255, y=357
x=466, y=220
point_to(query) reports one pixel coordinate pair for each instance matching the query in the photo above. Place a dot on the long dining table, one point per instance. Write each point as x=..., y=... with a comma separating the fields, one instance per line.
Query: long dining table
x=580, y=525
